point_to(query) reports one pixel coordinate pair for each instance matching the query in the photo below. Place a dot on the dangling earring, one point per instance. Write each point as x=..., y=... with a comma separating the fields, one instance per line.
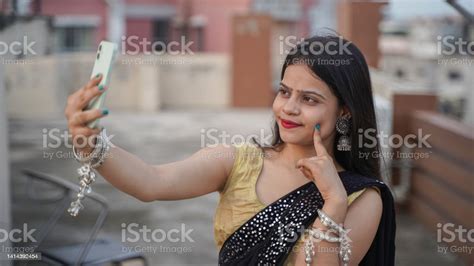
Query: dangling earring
x=342, y=126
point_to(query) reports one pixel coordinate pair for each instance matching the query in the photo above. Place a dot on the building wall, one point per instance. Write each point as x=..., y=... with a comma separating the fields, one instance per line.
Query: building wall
x=139, y=83
x=79, y=7
x=152, y=2
x=440, y=182
x=449, y=77
x=251, y=61
x=100, y=9
x=219, y=14
x=362, y=32
x=34, y=32
x=202, y=81
x=142, y=29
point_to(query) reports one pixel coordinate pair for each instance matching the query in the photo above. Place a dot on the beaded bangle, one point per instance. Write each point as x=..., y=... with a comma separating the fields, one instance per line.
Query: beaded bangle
x=328, y=222
x=92, y=155
x=106, y=144
x=86, y=172
x=323, y=235
x=344, y=245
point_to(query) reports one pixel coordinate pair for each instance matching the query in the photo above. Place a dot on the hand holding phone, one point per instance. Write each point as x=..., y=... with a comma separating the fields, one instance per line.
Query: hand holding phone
x=103, y=65
x=85, y=106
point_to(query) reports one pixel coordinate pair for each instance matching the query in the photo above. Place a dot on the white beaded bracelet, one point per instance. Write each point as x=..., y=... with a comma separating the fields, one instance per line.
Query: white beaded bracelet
x=86, y=172
x=344, y=245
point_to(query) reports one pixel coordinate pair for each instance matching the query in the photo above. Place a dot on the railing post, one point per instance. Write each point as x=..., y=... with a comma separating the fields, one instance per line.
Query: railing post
x=404, y=105
x=5, y=210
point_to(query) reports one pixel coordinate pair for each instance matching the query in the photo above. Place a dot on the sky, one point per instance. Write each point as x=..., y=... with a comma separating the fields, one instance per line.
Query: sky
x=405, y=9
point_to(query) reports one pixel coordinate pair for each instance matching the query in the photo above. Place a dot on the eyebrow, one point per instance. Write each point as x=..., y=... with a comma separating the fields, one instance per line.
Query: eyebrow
x=304, y=91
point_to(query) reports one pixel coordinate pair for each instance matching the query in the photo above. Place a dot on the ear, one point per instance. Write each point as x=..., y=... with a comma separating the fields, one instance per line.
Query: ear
x=344, y=111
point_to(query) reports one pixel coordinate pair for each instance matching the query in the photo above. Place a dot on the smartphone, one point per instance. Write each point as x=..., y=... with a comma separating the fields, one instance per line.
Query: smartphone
x=104, y=61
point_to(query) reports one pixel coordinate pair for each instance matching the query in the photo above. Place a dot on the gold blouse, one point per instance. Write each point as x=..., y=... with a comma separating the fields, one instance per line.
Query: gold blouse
x=238, y=200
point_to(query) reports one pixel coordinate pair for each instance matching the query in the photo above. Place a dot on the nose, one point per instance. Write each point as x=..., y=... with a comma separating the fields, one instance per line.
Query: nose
x=291, y=107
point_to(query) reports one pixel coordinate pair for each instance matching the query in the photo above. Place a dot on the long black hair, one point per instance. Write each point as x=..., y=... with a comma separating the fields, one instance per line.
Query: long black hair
x=342, y=66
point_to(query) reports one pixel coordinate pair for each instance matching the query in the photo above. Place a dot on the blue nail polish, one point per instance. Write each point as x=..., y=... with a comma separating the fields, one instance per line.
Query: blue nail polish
x=318, y=127
x=105, y=111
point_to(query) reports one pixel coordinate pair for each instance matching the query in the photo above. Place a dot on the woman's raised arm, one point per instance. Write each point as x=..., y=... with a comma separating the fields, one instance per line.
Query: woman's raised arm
x=204, y=172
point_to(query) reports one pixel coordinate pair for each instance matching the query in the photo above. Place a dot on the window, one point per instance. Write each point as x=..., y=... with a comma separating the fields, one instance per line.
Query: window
x=200, y=39
x=161, y=33
x=74, y=38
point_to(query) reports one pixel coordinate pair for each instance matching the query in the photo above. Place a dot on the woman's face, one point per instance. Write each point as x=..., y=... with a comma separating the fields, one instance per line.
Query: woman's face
x=306, y=100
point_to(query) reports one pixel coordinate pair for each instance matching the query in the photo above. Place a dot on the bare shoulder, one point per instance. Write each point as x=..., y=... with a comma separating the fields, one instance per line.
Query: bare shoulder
x=364, y=215
x=370, y=199
x=220, y=158
x=203, y=172
x=222, y=154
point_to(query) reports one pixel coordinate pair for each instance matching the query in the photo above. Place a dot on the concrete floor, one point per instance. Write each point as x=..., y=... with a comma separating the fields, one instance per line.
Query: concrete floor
x=159, y=138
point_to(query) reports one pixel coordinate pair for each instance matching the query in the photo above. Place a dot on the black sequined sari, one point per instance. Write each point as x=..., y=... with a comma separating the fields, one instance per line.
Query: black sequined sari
x=268, y=237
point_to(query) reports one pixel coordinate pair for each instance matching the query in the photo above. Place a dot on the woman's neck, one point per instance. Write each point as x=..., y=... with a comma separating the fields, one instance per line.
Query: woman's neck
x=291, y=153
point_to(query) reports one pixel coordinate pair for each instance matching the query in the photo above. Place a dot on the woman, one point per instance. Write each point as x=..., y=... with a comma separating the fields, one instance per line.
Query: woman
x=274, y=200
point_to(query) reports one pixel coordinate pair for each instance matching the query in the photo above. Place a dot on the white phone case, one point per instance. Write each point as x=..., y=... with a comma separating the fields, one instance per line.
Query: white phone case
x=103, y=65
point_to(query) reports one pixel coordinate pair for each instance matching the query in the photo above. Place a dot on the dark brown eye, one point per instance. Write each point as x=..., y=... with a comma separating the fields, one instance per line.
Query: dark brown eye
x=283, y=91
x=309, y=99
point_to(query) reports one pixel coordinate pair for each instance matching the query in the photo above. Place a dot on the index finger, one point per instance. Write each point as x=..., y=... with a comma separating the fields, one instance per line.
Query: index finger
x=318, y=142
x=94, y=81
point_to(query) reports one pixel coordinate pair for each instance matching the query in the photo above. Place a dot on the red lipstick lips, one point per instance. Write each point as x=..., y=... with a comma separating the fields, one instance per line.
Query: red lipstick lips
x=289, y=124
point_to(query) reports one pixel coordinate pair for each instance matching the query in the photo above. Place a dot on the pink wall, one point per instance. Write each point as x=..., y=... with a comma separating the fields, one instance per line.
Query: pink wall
x=78, y=7
x=141, y=28
x=217, y=32
x=219, y=21
x=154, y=2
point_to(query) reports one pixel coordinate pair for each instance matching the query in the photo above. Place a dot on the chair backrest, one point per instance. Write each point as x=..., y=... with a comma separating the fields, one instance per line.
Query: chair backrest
x=69, y=191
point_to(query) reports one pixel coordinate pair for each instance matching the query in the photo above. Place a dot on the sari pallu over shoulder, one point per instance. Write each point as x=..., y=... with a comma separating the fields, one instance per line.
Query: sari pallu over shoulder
x=268, y=237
